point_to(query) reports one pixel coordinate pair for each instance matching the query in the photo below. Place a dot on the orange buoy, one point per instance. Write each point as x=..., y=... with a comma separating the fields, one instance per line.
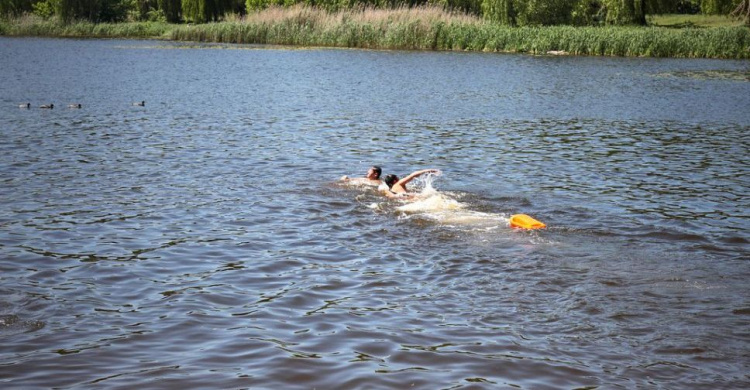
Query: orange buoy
x=523, y=221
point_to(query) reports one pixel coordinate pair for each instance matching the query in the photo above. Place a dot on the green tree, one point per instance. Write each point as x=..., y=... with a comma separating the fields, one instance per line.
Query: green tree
x=256, y=4
x=540, y=12
x=501, y=11
x=623, y=12
x=142, y=8
x=172, y=9
x=93, y=10
x=718, y=7
x=201, y=11
x=45, y=9
x=70, y=10
x=15, y=7
x=473, y=7
x=670, y=6
x=544, y=12
x=588, y=13
x=112, y=11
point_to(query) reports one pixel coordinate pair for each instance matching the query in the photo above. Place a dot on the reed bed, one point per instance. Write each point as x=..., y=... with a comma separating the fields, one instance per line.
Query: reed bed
x=424, y=28
x=30, y=25
x=431, y=28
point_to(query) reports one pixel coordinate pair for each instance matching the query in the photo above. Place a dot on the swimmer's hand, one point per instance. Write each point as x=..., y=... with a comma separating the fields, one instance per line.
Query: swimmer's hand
x=435, y=172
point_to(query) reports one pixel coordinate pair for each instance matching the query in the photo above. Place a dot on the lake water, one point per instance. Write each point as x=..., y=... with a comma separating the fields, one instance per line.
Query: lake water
x=203, y=241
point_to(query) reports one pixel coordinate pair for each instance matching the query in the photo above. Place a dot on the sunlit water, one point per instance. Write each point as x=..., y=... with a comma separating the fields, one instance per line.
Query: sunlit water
x=203, y=240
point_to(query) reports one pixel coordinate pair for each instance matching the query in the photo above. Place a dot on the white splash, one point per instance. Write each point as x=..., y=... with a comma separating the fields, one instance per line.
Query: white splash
x=443, y=208
x=431, y=202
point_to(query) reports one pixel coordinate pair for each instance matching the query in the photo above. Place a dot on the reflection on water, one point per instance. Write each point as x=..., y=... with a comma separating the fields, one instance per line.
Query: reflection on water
x=204, y=238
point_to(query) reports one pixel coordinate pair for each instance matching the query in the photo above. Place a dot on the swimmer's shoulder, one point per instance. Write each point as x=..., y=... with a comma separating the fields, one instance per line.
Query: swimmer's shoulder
x=361, y=181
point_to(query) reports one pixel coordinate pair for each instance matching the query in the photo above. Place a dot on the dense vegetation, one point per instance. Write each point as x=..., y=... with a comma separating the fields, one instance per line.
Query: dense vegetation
x=585, y=27
x=422, y=28
x=506, y=12
x=433, y=29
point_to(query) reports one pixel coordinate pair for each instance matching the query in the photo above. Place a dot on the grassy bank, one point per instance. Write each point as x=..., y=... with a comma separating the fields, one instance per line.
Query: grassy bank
x=698, y=20
x=37, y=27
x=416, y=29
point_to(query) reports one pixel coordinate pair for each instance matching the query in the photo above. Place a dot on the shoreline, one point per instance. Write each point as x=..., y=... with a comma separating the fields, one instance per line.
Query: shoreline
x=427, y=30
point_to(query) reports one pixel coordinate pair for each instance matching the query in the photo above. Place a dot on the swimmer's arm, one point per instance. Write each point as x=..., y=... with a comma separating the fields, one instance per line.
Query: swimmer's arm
x=388, y=193
x=415, y=175
x=398, y=195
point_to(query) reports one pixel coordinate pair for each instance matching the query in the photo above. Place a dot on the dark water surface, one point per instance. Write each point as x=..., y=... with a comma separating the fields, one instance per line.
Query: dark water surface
x=201, y=241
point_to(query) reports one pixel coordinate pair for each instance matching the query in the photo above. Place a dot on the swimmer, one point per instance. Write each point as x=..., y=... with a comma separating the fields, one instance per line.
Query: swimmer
x=372, y=177
x=397, y=187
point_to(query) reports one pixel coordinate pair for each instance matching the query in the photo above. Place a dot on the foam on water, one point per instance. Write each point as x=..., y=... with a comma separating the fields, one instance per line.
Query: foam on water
x=443, y=208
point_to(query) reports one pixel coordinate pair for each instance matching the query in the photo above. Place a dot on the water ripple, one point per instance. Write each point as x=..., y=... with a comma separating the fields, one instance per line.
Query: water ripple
x=198, y=240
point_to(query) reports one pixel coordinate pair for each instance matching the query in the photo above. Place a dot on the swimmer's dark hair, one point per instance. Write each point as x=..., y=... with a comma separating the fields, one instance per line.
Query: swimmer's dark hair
x=377, y=170
x=390, y=180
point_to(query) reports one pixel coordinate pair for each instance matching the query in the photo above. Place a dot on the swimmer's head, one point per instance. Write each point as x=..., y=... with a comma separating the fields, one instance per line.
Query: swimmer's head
x=374, y=172
x=390, y=180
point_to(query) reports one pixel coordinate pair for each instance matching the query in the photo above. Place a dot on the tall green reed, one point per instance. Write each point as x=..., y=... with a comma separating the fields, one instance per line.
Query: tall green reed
x=426, y=28
x=30, y=25
x=434, y=29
